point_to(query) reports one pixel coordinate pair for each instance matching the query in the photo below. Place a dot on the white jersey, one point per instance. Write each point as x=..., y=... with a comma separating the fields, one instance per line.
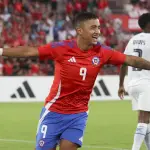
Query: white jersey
x=139, y=45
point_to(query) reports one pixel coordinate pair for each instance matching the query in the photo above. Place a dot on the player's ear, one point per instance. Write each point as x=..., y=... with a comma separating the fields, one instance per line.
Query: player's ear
x=79, y=30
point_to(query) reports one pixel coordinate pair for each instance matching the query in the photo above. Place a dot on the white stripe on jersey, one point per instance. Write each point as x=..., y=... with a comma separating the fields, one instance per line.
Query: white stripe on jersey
x=49, y=104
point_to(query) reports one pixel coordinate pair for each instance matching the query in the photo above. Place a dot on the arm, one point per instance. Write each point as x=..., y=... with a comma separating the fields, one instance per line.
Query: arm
x=53, y=51
x=137, y=62
x=123, y=71
x=133, y=61
x=21, y=51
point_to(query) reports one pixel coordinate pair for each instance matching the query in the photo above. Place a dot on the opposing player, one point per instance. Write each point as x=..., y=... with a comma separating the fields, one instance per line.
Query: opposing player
x=139, y=82
x=77, y=63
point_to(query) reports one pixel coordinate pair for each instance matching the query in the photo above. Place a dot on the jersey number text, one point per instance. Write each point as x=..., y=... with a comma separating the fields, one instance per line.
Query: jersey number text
x=139, y=51
x=44, y=130
x=83, y=72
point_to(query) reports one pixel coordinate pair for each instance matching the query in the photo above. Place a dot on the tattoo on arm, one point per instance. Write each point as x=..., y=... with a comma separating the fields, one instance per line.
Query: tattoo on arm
x=137, y=62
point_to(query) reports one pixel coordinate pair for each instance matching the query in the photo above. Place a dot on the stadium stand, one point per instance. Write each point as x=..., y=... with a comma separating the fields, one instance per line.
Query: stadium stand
x=35, y=22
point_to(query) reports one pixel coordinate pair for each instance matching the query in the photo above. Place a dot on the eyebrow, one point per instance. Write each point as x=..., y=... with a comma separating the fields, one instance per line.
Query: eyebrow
x=95, y=26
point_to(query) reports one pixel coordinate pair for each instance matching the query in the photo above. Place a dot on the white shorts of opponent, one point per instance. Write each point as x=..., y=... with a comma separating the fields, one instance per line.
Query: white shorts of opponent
x=140, y=95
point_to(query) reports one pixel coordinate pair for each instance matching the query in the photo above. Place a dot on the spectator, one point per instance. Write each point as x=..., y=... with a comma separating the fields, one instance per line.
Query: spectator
x=1, y=26
x=1, y=66
x=30, y=22
x=8, y=68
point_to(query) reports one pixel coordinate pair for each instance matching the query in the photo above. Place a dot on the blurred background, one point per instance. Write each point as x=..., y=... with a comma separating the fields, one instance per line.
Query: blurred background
x=37, y=22
x=111, y=124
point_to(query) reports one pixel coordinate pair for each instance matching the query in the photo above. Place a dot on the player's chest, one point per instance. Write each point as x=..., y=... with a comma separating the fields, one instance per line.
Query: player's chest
x=81, y=67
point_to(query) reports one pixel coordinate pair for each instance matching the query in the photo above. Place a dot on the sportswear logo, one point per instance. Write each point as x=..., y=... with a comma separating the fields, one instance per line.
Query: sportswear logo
x=81, y=139
x=139, y=130
x=100, y=87
x=72, y=59
x=21, y=92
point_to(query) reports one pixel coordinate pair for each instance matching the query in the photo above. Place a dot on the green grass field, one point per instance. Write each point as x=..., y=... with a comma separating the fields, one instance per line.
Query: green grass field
x=111, y=126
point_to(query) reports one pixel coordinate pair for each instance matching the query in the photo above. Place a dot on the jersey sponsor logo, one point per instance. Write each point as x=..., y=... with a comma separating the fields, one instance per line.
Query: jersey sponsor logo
x=21, y=91
x=95, y=60
x=72, y=59
x=100, y=88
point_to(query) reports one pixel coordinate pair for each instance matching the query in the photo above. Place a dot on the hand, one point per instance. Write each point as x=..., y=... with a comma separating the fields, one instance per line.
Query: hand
x=121, y=92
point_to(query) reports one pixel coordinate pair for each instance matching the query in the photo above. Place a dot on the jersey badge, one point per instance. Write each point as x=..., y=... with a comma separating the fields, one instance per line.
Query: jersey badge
x=41, y=143
x=95, y=60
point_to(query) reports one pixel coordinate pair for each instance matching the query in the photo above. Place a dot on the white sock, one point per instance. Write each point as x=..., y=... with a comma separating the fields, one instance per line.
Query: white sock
x=147, y=137
x=139, y=135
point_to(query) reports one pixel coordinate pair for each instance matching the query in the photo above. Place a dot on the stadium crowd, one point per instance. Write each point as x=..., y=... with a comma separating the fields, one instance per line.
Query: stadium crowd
x=34, y=23
x=136, y=8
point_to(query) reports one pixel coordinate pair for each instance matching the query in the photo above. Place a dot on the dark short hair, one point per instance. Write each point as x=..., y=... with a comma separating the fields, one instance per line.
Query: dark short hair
x=144, y=20
x=83, y=16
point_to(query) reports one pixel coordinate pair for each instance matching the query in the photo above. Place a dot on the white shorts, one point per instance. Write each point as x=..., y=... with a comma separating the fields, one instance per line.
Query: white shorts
x=140, y=95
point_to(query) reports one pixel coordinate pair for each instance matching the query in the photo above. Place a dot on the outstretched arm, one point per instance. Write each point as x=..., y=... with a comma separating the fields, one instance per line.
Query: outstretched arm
x=21, y=51
x=137, y=62
x=133, y=61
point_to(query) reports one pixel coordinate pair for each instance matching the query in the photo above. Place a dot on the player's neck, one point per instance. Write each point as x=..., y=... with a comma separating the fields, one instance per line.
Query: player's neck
x=83, y=45
x=146, y=31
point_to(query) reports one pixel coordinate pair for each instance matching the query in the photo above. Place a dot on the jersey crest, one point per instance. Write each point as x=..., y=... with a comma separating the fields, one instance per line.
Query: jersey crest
x=95, y=60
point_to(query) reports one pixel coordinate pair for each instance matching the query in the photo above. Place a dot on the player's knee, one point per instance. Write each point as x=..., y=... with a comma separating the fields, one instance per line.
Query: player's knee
x=67, y=145
x=143, y=116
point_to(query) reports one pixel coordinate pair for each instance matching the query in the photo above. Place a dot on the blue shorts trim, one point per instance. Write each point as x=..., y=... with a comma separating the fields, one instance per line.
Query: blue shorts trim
x=54, y=126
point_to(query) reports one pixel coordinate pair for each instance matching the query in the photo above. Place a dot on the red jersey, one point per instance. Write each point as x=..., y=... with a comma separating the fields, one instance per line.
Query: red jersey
x=75, y=73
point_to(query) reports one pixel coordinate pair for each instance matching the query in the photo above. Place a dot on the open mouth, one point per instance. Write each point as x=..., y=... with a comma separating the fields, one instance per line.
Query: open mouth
x=95, y=38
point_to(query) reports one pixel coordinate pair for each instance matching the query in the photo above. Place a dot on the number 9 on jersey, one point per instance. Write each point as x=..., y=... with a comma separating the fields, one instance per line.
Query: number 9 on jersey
x=83, y=72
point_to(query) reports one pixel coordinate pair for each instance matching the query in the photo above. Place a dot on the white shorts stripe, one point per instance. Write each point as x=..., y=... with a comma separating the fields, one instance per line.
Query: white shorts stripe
x=42, y=118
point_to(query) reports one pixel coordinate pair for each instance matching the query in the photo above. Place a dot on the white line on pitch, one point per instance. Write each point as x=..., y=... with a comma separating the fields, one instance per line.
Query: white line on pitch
x=17, y=141
x=84, y=146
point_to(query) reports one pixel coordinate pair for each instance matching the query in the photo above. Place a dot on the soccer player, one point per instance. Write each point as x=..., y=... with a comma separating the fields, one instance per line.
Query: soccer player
x=139, y=82
x=77, y=64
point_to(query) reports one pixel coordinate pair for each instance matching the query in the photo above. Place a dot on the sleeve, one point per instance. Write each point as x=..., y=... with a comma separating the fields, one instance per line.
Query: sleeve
x=113, y=57
x=51, y=51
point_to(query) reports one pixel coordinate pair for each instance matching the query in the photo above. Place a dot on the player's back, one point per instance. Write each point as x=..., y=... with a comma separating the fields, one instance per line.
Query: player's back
x=139, y=46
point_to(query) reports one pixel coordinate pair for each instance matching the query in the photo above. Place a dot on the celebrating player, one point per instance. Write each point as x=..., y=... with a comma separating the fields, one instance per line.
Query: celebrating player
x=139, y=82
x=77, y=64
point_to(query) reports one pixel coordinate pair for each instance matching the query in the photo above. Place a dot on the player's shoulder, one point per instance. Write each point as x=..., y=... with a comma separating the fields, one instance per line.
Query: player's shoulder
x=140, y=38
x=63, y=44
x=141, y=35
x=102, y=47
